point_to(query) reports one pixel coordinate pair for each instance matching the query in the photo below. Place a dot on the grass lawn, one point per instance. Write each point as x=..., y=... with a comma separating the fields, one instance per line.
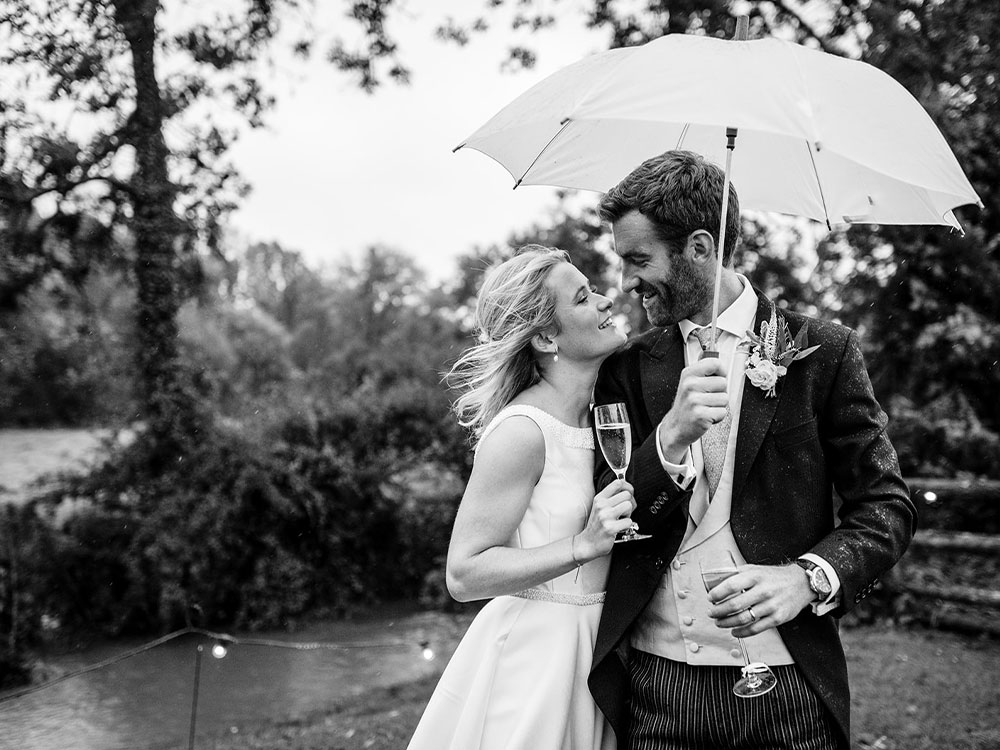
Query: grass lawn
x=918, y=690
x=912, y=690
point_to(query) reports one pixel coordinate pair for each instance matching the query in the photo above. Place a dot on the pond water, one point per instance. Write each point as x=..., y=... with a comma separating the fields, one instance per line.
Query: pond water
x=145, y=702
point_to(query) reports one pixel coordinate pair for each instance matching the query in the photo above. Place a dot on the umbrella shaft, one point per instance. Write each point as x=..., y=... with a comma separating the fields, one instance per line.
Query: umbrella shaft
x=720, y=251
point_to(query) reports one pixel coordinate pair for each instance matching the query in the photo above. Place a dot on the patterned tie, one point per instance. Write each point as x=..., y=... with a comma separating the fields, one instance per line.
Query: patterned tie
x=713, y=442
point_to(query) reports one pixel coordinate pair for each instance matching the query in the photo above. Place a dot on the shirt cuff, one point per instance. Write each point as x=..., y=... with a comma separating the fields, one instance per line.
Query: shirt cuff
x=833, y=601
x=682, y=474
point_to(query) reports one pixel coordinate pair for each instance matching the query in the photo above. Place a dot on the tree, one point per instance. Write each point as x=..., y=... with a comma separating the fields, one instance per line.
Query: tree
x=279, y=282
x=385, y=329
x=104, y=56
x=932, y=301
x=124, y=71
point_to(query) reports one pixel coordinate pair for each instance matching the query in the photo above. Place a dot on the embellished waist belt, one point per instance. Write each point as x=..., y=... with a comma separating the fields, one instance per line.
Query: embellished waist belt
x=580, y=600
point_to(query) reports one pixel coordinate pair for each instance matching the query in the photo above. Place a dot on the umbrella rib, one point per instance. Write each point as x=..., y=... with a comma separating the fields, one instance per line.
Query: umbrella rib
x=562, y=127
x=797, y=65
x=684, y=132
x=819, y=184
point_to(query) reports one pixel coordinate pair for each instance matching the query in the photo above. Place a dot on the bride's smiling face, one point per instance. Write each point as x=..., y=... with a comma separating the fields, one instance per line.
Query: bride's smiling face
x=587, y=330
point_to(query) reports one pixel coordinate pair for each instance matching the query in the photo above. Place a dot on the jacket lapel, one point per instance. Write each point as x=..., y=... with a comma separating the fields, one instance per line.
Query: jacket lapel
x=660, y=371
x=756, y=413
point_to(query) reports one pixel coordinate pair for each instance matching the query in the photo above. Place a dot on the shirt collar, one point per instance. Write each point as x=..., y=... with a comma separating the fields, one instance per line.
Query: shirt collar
x=736, y=319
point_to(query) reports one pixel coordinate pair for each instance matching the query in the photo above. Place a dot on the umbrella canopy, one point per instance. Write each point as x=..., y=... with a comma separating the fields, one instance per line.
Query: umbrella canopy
x=832, y=139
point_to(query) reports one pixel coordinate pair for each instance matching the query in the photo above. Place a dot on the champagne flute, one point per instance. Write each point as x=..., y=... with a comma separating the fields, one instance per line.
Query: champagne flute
x=615, y=438
x=758, y=678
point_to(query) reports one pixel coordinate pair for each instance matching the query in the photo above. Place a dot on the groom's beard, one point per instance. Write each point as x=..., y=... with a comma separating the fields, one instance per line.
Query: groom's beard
x=683, y=294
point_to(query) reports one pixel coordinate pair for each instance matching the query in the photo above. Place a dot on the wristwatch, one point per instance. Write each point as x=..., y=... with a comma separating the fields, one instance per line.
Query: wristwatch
x=818, y=581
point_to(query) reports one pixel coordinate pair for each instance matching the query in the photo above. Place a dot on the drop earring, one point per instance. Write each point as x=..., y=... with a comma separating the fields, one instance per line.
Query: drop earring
x=555, y=356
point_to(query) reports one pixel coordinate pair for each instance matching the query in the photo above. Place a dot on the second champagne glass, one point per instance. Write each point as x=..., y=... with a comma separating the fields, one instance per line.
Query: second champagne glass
x=758, y=678
x=615, y=438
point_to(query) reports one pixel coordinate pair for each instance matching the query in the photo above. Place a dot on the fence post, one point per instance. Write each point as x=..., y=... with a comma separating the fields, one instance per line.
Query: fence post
x=194, y=696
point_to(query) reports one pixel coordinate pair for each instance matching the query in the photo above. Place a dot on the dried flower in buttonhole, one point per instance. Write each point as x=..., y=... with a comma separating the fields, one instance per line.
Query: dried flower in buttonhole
x=773, y=350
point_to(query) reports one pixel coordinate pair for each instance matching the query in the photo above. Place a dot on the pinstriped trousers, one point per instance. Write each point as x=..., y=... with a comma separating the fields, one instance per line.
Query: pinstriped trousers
x=676, y=706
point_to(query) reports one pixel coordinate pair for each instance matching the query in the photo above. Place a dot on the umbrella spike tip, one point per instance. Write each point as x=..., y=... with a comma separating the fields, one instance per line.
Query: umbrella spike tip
x=460, y=145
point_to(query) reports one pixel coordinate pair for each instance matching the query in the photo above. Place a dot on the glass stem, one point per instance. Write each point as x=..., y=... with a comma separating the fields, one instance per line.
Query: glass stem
x=752, y=679
x=743, y=648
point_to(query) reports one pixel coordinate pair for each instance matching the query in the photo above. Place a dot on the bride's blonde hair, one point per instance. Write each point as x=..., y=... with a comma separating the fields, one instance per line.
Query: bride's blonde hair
x=514, y=304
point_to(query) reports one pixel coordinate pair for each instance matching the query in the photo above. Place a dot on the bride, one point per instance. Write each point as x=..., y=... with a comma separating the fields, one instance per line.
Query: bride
x=530, y=533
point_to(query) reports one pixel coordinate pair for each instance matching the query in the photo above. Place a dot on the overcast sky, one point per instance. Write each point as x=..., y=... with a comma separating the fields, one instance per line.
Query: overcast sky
x=339, y=170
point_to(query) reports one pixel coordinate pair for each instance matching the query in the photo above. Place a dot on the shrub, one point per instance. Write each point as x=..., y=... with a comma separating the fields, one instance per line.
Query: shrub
x=943, y=439
x=341, y=508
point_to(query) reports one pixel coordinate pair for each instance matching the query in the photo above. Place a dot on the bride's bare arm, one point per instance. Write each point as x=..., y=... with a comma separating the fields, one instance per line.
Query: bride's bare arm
x=507, y=468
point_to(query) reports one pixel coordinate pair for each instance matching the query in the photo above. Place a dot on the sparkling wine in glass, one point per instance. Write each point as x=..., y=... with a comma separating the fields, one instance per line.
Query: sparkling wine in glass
x=615, y=438
x=757, y=678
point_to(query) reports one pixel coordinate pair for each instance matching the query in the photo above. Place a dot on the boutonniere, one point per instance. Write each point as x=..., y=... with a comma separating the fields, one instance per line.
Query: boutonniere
x=773, y=350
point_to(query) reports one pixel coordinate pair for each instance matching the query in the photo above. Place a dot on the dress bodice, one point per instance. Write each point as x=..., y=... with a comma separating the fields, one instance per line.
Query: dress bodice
x=561, y=501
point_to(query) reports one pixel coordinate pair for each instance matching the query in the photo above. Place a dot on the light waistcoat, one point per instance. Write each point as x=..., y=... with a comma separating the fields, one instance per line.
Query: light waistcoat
x=675, y=624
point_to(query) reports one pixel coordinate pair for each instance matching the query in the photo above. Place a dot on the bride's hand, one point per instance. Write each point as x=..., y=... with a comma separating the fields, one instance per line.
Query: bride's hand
x=609, y=516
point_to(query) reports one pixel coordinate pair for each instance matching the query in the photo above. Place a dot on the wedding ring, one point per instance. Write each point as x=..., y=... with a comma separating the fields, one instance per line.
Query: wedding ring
x=753, y=617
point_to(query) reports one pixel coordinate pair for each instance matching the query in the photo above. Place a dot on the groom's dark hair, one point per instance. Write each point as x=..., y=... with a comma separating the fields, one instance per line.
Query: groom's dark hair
x=680, y=192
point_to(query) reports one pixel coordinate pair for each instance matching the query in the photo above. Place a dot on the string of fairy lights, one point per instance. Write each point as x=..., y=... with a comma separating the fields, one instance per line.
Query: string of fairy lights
x=220, y=647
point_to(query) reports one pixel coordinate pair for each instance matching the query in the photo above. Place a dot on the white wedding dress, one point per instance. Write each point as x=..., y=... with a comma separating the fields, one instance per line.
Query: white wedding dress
x=518, y=679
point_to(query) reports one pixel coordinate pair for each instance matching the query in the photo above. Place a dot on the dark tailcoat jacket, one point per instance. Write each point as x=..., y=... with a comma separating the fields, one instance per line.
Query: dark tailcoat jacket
x=823, y=430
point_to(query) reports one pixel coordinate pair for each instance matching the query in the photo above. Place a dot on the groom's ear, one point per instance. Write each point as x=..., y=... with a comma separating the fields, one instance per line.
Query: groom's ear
x=700, y=247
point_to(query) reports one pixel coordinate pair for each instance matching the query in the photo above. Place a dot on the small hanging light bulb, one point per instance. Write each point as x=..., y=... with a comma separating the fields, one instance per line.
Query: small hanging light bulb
x=219, y=650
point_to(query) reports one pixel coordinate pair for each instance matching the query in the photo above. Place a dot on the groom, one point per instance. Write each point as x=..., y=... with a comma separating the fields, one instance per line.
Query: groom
x=735, y=453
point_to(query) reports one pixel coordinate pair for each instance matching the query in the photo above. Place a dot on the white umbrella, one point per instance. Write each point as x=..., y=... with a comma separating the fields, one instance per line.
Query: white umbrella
x=820, y=136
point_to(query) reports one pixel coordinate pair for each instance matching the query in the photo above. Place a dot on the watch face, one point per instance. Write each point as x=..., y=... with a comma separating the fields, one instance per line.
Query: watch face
x=819, y=582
